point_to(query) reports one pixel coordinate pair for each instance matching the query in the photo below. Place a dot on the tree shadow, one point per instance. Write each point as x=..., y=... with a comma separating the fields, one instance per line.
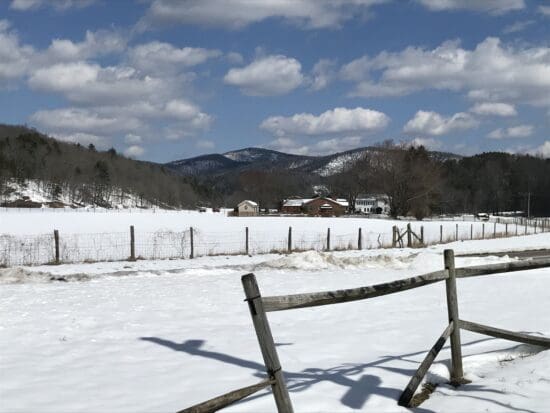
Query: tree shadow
x=358, y=390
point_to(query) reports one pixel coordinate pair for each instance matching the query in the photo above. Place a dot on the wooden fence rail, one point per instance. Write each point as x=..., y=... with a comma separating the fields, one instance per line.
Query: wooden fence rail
x=259, y=306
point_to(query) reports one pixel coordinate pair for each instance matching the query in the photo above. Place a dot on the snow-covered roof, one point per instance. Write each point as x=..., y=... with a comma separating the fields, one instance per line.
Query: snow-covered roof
x=247, y=201
x=342, y=201
x=296, y=202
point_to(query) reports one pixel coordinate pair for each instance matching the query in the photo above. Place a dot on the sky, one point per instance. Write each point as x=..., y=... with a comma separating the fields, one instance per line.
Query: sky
x=162, y=80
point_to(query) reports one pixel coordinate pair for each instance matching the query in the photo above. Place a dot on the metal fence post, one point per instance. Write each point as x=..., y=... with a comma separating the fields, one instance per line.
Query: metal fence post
x=360, y=240
x=328, y=239
x=132, y=244
x=56, y=241
x=192, y=252
x=289, y=239
x=246, y=240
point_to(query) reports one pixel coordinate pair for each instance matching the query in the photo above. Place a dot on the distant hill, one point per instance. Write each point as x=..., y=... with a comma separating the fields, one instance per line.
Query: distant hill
x=267, y=159
x=68, y=173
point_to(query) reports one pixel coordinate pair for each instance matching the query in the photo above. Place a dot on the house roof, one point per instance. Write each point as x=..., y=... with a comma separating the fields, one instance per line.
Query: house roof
x=296, y=202
x=246, y=201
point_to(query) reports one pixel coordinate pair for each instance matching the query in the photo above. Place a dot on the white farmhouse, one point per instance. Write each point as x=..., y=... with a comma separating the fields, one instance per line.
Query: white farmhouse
x=247, y=208
x=372, y=204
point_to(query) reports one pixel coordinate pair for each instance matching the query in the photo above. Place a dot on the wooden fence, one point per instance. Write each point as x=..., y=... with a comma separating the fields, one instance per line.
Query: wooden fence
x=259, y=306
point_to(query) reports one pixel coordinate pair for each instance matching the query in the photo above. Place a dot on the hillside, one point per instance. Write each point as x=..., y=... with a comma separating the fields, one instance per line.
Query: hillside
x=74, y=175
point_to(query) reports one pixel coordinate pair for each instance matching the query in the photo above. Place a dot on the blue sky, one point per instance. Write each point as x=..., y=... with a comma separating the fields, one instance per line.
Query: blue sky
x=168, y=79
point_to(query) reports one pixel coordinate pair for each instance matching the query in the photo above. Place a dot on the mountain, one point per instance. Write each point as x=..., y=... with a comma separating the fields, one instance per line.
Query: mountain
x=267, y=159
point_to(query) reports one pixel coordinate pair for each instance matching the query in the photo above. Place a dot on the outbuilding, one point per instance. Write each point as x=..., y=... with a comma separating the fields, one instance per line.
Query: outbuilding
x=247, y=208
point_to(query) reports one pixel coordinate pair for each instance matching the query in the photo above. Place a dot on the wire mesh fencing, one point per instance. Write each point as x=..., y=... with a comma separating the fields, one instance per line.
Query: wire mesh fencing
x=196, y=242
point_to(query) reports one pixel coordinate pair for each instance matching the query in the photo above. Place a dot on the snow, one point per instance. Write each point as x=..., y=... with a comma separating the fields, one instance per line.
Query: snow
x=162, y=335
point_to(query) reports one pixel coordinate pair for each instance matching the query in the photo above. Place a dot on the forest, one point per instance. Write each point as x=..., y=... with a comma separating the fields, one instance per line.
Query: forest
x=417, y=182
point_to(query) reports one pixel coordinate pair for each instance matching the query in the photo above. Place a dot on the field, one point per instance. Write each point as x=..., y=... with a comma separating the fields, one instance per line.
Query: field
x=158, y=336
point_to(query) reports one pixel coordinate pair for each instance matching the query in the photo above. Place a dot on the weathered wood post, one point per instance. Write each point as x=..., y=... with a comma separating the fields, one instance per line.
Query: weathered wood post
x=394, y=236
x=289, y=240
x=422, y=234
x=328, y=239
x=409, y=236
x=267, y=345
x=56, y=242
x=456, y=233
x=471, y=231
x=360, y=239
x=441, y=234
x=483, y=231
x=246, y=240
x=457, y=372
x=192, y=252
x=132, y=244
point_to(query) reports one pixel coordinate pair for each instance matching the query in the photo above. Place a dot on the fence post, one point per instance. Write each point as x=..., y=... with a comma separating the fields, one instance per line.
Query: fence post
x=409, y=236
x=394, y=236
x=441, y=234
x=483, y=231
x=456, y=233
x=471, y=231
x=495, y=230
x=132, y=244
x=328, y=239
x=525, y=227
x=422, y=234
x=192, y=253
x=289, y=239
x=452, y=309
x=506, y=229
x=360, y=240
x=246, y=240
x=267, y=345
x=56, y=241
x=535, y=226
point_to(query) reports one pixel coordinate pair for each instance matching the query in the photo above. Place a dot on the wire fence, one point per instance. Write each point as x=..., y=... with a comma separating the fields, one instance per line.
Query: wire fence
x=194, y=242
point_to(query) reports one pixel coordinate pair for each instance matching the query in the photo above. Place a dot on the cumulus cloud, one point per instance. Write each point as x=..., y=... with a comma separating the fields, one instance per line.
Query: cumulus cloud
x=99, y=43
x=490, y=72
x=15, y=58
x=334, y=121
x=24, y=5
x=322, y=74
x=236, y=14
x=494, y=109
x=434, y=124
x=134, y=151
x=491, y=6
x=428, y=143
x=543, y=150
x=267, y=76
x=521, y=131
x=85, y=139
x=545, y=10
x=322, y=147
x=132, y=138
x=157, y=56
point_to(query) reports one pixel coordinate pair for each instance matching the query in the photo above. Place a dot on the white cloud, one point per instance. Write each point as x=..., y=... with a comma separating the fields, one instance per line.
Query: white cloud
x=235, y=14
x=323, y=147
x=323, y=73
x=490, y=71
x=491, y=6
x=100, y=142
x=99, y=43
x=518, y=26
x=267, y=76
x=428, y=143
x=132, y=138
x=157, y=56
x=205, y=144
x=543, y=150
x=521, y=131
x=494, y=109
x=82, y=120
x=14, y=57
x=134, y=151
x=23, y=5
x=335, y=121
x=545, y=10
x=234, y=58
x=434, y=124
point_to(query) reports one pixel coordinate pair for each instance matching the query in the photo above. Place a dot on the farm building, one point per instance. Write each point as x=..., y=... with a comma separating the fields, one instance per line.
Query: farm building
x=315, y=206
x=372, y=204
x=247, y=208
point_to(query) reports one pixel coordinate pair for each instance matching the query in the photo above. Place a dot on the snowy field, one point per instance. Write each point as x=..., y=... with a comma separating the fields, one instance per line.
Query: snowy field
x=26, y=236
x=158, y=336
